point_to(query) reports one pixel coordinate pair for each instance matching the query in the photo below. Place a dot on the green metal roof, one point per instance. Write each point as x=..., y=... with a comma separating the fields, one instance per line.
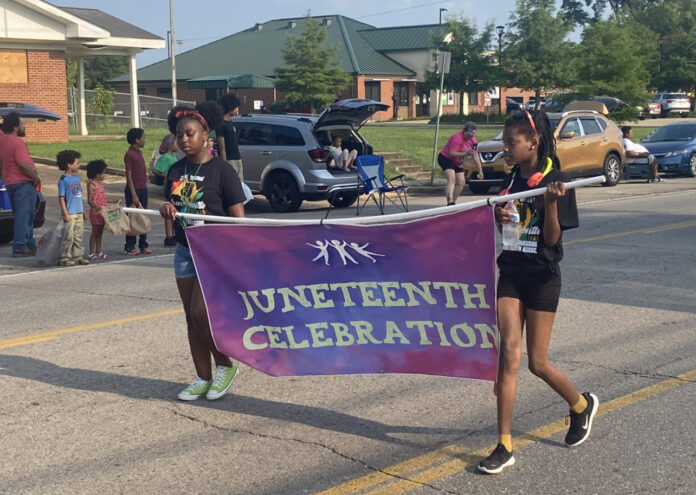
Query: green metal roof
x=239, y=81
x=404, y=37
x=259, y=50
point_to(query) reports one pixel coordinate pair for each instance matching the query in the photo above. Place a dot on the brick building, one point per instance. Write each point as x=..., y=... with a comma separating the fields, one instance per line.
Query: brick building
x=35, y=40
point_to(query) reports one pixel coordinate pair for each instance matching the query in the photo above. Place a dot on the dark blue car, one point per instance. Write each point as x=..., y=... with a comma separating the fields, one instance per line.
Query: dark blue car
x=674, y=146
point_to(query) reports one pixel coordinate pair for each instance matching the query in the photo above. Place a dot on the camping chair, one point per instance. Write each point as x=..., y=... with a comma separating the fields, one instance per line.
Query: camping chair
x=379, y=189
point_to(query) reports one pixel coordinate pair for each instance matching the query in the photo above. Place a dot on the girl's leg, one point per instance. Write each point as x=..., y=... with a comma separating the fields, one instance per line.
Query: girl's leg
x=97, y=232
x=199, y=315
x=199, y=349
x=510, y=323
x=539, y=325
x=460, y=182
x=93, y=240
x=449, y=188
x=351, y=159
x=345, y=159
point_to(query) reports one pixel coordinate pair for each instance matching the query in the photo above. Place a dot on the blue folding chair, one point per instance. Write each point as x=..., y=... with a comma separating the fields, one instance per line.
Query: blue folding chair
x=374, y=186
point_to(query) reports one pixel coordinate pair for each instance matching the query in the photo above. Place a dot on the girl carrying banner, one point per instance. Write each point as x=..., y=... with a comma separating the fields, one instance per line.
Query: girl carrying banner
x=529, y=283
x=206, y=185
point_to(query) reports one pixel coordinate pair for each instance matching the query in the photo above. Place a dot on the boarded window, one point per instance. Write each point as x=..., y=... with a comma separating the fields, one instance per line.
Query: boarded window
x=13, y=67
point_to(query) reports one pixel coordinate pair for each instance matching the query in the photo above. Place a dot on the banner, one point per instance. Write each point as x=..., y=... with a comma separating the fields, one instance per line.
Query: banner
x=415, y=297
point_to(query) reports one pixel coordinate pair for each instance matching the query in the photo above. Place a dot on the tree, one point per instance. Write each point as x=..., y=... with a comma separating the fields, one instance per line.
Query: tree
x=311, y=79
x=538, y=57
x=98, y=70
x=471, y=66
x=608, y=62
x=102, y=103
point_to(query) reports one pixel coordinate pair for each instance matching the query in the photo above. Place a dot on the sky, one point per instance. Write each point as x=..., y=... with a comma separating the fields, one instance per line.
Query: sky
x=198, y=23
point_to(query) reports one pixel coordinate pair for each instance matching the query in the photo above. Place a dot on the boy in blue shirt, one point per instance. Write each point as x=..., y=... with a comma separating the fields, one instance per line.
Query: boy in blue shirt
x=72, y=251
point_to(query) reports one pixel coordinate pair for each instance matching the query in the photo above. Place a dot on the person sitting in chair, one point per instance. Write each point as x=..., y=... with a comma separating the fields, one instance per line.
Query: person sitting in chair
x=343, y=159
x=635, y=150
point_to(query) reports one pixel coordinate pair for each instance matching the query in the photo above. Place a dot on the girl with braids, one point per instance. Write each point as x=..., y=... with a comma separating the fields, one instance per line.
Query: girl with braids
x=203, y=184
x=529, y=281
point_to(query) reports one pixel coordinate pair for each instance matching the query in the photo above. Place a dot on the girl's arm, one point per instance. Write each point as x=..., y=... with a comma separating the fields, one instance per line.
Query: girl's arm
x=90, y=195
x=236, y=210
x=552, y=228
x=222, y=151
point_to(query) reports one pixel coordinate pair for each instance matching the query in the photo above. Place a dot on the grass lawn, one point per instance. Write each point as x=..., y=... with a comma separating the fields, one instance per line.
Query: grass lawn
x=414, y=142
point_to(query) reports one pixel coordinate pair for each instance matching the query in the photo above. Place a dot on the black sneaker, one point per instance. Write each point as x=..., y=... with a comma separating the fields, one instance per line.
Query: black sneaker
x=499, y=459
x=581, y=423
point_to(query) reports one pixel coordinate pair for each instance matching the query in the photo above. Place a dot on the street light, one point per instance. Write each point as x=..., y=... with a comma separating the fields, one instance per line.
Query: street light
x=172, y=49
x=501, y=30
x=442, y=9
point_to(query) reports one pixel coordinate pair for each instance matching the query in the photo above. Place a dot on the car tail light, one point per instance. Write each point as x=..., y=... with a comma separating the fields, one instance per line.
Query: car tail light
x=671, y=101
x=319, y=155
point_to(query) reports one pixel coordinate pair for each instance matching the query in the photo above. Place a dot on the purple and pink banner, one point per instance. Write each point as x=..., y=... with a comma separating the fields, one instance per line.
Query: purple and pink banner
x=416, y=297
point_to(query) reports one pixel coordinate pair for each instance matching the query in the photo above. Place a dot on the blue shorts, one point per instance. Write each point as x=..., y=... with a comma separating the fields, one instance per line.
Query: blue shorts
x=183, y=262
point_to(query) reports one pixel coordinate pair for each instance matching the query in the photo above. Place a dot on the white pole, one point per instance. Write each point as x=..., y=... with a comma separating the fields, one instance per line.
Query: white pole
x=81, y=89
x=172, y=50
x=135, y=102
x=379, y=219
x=437, y=123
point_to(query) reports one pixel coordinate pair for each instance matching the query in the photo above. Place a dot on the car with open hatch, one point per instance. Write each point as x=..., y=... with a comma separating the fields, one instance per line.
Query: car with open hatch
x=30, y=114
x=674, y=146
x=286, y=157
x=587, y=144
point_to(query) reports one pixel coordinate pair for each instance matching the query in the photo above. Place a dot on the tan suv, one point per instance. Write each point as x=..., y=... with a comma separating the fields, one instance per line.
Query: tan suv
x=587, y=144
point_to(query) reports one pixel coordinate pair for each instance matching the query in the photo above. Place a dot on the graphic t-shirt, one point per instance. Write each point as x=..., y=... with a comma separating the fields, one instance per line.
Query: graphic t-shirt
x=70, y=188
x=209, y=188
x=459, y=143
x=533, y=258
x=228, y=131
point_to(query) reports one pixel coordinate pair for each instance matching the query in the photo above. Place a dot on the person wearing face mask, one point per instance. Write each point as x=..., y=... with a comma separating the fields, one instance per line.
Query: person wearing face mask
x=202, y=184
x=22, y=182
x=459, y=146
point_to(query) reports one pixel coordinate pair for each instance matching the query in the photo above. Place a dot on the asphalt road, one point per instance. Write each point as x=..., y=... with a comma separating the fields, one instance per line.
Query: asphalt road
x=92, y=357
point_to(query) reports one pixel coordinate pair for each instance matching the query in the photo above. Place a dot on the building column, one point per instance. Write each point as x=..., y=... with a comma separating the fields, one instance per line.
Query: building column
x=81, y=92
x=135, y=107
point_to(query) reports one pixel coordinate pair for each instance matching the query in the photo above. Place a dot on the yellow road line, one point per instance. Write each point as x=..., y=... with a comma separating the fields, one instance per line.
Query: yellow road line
x=647, y=230
x=43, y=337
x=430, y=467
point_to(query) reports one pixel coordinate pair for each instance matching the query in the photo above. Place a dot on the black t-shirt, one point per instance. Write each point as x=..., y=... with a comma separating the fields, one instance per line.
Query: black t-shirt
x=228, y=131
x=533, y=258
x=206, y=189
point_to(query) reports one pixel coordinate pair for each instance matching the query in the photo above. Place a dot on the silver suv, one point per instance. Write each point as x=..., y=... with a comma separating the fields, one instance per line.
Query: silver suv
x=286, y=157
x=673, y=103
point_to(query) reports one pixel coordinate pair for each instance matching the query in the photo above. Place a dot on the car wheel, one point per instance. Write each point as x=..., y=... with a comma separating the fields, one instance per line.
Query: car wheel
x=612, y=170
x=343, y=200
x=685, y=115
x=478, y=188
x=282, y=192
x=691, y=171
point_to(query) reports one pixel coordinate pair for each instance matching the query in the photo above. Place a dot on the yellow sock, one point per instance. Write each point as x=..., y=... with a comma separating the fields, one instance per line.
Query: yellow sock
x=506, y=440
x=580, y=405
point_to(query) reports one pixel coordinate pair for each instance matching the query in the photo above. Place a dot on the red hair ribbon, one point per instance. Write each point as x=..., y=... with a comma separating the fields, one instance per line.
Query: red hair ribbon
x=194, y=114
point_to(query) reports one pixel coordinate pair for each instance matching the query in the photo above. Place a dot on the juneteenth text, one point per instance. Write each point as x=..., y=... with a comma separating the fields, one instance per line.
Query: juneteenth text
x=357, y=331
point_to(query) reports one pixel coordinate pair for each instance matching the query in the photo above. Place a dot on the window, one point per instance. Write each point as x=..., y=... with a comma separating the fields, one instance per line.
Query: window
x=287, y=136
x=142, y=91
x=255, y=134
x=590, y=126
x=164, y=91
x=13, y=67
x=473, y=98
x=572, y=125
x=373, y=90
x=401, y=94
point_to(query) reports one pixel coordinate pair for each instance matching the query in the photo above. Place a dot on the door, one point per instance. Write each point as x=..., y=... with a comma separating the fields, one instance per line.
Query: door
x=256, y=148
x=596, y=144
x=569, y=145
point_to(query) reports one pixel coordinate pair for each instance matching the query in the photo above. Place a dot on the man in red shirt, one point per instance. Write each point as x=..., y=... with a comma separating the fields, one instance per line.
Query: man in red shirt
x=21, y=181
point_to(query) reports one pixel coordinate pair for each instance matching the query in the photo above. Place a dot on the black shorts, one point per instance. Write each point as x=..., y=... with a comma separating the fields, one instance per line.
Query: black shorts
x=536, y=295
x=446, y=163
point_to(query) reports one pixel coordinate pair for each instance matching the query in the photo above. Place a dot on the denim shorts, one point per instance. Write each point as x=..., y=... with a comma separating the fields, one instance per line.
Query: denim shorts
x=183, y=262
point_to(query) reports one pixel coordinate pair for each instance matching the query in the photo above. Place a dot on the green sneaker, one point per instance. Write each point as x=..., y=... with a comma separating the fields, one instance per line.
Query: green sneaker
x=222, y=381
x=195, y=391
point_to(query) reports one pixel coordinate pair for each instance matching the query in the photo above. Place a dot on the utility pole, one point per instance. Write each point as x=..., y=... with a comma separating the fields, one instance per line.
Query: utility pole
x=172, y=50
x=501, y=30
x=442, y=9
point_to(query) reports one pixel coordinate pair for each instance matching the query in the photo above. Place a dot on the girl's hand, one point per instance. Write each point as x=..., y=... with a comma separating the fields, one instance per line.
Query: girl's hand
x=168, y=211
x=502, y=215
x=554, y=190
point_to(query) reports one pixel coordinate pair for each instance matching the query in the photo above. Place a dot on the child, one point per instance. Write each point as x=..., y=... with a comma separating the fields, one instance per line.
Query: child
x=97, y=202
x=136, y=185
x=529, y=283
x=70, y=199
x=342, y=158
x=166, y=160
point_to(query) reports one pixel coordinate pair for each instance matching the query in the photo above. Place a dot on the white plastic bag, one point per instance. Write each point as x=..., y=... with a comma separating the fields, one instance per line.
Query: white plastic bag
x=247, y=193
x=49, y=246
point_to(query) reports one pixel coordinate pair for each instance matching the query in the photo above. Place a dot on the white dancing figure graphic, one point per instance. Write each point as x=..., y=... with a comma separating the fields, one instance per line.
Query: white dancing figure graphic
x=341, y=250
x=323, y=248
x=362, y=251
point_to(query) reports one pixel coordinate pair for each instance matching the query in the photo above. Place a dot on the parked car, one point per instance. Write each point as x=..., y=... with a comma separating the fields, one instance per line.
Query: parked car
x=512, y=105
x=652, y=110
x=30, y=113
x=587, y=144
x=286, y=157
x=531, y=103
x=557, y=101
x=672, y=103
x=674, y=146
